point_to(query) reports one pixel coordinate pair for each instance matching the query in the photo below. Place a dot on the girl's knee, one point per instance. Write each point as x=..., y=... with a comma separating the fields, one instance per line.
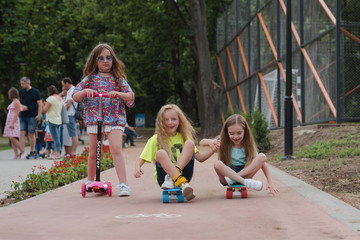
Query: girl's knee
x=189, y=144
x=160, y=155
x=218, y=165
x=261, y=157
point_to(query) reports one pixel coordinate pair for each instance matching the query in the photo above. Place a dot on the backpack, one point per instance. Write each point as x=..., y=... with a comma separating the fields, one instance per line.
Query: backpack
x=79, y=111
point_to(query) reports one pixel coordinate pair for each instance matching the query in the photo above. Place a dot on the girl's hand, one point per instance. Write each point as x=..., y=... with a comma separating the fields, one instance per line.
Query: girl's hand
x=113, y=94
x=138, y=172
x=89, y=93
x=272, y=189
x=23, y=108
x=215, y=145
x=11, y=126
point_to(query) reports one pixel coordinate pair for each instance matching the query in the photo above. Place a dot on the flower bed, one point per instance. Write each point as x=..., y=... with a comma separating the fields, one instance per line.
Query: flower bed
x=61, y=173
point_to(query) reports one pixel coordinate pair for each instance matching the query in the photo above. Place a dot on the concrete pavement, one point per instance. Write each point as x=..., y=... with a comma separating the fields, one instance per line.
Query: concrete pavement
x=299, y=211
x=17, y=169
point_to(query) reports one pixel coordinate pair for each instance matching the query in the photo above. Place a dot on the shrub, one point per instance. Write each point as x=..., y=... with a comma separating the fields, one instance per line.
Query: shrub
x=61, y=173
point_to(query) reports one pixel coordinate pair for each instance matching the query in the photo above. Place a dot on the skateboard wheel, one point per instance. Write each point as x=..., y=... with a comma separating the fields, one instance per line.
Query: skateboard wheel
x=109, y=189
x=180, y=197
x=229, y=194
x=165, y=197
x=243, y=193
x=83, y=189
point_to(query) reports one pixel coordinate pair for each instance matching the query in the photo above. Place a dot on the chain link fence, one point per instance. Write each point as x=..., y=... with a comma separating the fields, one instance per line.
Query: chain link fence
x=251, y=44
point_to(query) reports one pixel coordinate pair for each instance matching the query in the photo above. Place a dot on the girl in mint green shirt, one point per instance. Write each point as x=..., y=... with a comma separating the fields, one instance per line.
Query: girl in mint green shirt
x=238, y=159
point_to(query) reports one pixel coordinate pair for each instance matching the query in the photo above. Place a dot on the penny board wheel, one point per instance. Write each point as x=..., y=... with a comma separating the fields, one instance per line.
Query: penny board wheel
x=109, y=189
x=165, y=197
x=180, y=197
x=83, y=189
x=243, y=192
x=229, y=193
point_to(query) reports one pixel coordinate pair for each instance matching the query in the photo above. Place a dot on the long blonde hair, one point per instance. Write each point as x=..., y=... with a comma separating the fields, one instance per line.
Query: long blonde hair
x=185, y=128
x=226, y=145
x=117, y=69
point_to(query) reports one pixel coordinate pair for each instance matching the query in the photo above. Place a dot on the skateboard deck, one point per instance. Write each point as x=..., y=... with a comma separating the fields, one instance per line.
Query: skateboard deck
x=173, y=195
x=237, y=190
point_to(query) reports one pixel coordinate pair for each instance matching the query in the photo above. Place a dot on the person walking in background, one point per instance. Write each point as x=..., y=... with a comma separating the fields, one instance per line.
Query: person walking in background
x=105, y=73
x=52, y=108
x=238, y=159
x=71, y=107
x=31, y=98
x=65, y=138
x=12, y=125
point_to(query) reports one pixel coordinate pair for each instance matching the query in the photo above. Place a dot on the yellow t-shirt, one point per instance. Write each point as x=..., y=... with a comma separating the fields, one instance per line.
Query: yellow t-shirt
x=176, y=145
x=53, y=114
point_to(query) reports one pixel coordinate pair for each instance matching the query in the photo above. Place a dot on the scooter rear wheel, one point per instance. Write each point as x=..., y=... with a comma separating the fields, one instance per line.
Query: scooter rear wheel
x=83, y=189
x=109, y=189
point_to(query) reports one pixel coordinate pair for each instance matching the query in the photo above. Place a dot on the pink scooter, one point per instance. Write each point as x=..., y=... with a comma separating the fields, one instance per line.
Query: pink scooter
x=97, y=185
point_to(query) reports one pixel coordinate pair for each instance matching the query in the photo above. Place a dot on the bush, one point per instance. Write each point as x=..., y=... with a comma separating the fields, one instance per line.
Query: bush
x=61, y=173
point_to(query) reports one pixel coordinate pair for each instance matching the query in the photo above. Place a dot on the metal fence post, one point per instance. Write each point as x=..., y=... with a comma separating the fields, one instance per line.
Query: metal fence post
x=288, y=96
x=338, y=65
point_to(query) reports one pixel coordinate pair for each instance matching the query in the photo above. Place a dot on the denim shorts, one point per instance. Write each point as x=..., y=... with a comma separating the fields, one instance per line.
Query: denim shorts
x=236, y=169
x=188, y=172
x=28, y=124
x=71, y=126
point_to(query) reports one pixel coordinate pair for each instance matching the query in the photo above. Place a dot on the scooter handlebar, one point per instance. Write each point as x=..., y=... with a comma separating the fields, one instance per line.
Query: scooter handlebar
x=105, y=95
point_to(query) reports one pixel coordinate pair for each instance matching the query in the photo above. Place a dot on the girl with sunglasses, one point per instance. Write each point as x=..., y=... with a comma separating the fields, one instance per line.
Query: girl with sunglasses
x=105, y=73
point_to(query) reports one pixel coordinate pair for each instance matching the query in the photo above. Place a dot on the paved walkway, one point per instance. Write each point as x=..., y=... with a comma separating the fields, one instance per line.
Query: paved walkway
x=299, y=211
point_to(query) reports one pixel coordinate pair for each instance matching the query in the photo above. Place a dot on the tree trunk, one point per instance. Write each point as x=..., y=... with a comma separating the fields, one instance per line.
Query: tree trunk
x=207, y=93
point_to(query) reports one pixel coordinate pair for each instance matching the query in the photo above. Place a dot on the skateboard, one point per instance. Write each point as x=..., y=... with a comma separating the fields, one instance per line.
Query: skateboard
x=237, y=190
x=172, y=194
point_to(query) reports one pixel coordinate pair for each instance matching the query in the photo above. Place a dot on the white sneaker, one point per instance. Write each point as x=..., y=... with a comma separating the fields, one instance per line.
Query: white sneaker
x=168, y=183
x=188, y=191
x=124, y=190
x=253, y=184
x=229, y=181
x=23, y=156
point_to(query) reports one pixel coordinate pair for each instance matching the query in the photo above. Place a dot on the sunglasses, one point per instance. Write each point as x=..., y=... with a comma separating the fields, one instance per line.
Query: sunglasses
x=108, y=58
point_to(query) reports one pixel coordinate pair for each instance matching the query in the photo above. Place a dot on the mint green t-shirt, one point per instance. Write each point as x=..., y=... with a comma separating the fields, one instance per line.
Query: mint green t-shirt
x=238, y=156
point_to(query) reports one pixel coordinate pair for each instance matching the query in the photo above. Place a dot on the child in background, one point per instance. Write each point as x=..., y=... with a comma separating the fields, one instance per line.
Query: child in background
x=12, y=126
x=173, y=149
x=49, y=147
x=104, y=73
x=239, y=160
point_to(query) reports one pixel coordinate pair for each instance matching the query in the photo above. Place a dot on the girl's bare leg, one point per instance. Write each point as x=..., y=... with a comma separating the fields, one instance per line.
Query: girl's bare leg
x=254, y=166
x=14, y=146
x=163, y=158
x=186, y=154
x=115, y=144
x=222, y=170
x=185, y=157
x=91, y=167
